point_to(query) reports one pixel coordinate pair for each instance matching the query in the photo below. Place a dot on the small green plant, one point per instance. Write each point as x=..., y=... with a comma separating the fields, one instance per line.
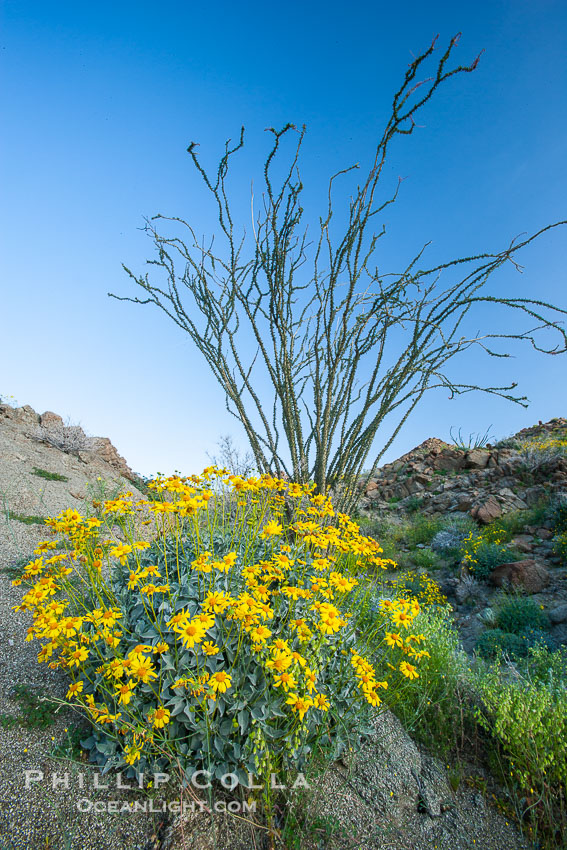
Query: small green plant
x=493, y=642
x=518, y=614
x=422, y=530
x=425, y=558
x=49, y=476
x=413, y=504
x=70, y=747
x=455, y=777
x=14, y=570
x=37, y=711
x=27, y=519
x=7, y=721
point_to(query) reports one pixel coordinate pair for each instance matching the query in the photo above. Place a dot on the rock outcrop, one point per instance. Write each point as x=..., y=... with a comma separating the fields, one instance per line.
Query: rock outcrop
x=46, y=467
x=49, y=428
x=485, y=482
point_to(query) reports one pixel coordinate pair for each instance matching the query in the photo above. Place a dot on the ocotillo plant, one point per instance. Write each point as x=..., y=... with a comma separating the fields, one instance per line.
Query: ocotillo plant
x=343, y=346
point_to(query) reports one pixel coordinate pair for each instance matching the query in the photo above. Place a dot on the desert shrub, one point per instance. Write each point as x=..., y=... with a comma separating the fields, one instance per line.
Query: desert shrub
x=547, y=667
x=519, y=614
x=449, y=540
x=489, y=556
x=557, y=513
x=560, y=546
x=68, y=438
x=515, y=522
x=511, y=442
x=230, y=643
x=493, y=642
x=526, y=713
x=511, y=524
x=425, y=558
x=538, y=637
x=413, y=504
x=484, y=550
x=422, y=530
x=541, y=453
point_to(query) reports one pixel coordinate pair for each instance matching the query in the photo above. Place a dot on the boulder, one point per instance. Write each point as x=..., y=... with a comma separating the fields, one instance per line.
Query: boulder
x=513, y=502
x=422, y=478
x=477, y=459
x=25, y=415
x=559, y=614
x=51, y=421
x=487, y=511
x=527, y=575
x=448, y=460
x=102, y=447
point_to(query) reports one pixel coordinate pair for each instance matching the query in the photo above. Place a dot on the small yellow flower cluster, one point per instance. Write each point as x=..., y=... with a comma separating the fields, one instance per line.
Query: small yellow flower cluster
x=366, y=676
x=419, y=586
x=402, y=613
x=540, y=444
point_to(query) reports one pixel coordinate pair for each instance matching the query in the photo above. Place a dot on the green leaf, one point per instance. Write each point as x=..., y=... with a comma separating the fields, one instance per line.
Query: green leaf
x=243, y=721
x=225, y=727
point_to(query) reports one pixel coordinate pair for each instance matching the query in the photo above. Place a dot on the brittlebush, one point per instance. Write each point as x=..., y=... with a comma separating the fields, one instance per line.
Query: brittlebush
x=228, y=642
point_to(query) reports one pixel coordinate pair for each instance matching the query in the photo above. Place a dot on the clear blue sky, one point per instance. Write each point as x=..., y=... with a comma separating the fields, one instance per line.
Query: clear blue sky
x=99, y=102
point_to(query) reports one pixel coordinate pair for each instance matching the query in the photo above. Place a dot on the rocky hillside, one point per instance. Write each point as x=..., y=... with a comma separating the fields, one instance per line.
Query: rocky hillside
x=486, y=482
x=45, y=467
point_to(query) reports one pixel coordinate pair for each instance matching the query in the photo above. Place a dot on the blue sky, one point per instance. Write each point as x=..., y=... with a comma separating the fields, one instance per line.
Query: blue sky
x=99, y=104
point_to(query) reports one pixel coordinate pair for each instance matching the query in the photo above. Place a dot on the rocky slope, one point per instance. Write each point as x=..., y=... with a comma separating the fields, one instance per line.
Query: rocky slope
x=485, y=482
x=45, y=467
